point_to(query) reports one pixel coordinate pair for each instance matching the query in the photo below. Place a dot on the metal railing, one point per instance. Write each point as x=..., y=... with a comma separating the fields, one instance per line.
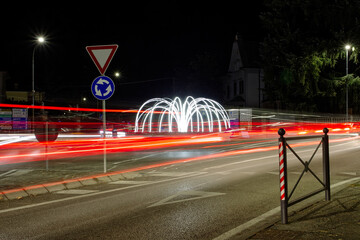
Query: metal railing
x=284, y=196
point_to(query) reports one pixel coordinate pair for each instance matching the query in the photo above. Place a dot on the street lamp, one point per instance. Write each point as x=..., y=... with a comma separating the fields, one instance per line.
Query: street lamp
x=40, y=40
x=347, y=48
x=117, y=74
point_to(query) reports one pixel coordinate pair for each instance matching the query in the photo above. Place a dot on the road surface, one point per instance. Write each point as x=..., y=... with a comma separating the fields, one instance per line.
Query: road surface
x=189, y=196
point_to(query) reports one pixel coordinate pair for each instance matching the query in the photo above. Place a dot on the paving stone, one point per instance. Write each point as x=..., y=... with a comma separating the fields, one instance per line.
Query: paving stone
x=131, y=175
x=116, y=177
x=56, y=187
x=16, y=195
x=37, y=191
x=3, y=197
x=90, y=181
x=104, y=179
x=74, y=184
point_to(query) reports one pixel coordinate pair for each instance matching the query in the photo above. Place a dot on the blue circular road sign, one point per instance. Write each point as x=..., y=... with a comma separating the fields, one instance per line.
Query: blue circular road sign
x=102, y=88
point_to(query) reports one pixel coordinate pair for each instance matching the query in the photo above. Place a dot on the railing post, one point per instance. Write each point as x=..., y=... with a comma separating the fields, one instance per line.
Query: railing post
x=326, y=163
x=283, y=177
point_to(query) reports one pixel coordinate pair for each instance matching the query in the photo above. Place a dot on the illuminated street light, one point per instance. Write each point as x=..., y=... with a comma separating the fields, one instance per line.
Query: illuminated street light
x=40, y=40
x=347, y=48
x=117, y=74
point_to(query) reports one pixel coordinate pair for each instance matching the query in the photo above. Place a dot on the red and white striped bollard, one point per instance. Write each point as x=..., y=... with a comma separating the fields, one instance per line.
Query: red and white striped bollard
x=283, y=176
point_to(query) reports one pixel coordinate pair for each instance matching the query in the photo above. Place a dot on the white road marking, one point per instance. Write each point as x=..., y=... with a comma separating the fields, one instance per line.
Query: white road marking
x=224, y=173
x=76, y=191
x=248, y=224
x=8, y=172
x=19, y=172
x=348, y=173
x=138, y=158
x=186, y=196
x=130, y=182
x=168, y=174
x=239, y=162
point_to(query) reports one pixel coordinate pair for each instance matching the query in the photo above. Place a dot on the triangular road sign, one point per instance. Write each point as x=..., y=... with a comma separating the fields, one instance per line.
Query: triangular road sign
x=102, y=55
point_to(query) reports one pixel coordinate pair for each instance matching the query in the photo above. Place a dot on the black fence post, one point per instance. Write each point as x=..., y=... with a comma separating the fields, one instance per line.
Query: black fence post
x=326, y=163
x=283, y=177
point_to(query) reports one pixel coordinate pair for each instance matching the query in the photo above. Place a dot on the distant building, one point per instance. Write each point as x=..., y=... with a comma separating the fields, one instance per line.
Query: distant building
x=24, y=97
x=14, y=95
x=244, y=83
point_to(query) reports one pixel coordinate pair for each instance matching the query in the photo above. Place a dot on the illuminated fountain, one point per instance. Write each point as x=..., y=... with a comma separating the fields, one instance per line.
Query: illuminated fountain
x=192, y=115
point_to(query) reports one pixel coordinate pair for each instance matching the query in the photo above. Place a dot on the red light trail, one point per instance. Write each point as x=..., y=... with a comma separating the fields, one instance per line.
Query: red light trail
x=5, y=105
x=77, y=148
x=162, y=164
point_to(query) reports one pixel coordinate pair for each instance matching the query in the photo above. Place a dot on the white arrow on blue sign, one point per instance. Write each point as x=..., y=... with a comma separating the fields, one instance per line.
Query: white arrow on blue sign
x=102, y=88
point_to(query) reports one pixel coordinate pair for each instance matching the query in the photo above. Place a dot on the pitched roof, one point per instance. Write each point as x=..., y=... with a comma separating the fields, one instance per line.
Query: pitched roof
x=245, y=54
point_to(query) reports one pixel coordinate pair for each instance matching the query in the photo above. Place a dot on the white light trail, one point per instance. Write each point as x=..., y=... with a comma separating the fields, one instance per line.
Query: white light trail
x=194, y=115
x=8, y=138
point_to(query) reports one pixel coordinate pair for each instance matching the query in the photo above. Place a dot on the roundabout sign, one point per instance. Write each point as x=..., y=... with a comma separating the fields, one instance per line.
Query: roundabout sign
x=102, y=87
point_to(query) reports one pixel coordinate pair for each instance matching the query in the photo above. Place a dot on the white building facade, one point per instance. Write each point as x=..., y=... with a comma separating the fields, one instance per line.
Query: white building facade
x=244, y=83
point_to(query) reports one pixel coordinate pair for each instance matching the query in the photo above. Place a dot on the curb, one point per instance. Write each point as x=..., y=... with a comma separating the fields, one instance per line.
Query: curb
x=37, y=191
x=16, y=195
x=55, y=187
x=19, y=193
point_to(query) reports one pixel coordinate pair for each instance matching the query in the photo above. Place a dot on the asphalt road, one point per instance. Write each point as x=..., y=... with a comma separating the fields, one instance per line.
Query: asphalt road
x=191, y=199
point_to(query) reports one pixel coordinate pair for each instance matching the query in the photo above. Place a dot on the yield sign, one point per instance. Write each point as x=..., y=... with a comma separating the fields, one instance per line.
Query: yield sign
x=102, y=55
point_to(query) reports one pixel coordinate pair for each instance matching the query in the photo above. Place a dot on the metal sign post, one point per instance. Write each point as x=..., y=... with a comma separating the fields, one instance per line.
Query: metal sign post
x=102, y=87
x=104, y=132
x=46, y=144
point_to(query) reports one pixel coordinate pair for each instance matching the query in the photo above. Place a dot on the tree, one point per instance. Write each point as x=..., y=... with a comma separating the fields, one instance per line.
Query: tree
x=303, y=50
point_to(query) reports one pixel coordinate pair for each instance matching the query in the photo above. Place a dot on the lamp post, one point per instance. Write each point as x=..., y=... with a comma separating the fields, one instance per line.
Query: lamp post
x=39, y=41
x=347, y=48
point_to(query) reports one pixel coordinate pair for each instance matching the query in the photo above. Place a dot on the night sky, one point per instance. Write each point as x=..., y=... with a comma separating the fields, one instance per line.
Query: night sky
x=156, y=40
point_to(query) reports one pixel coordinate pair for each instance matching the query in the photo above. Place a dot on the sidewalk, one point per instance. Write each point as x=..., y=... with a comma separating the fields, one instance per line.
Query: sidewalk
x=335, y=219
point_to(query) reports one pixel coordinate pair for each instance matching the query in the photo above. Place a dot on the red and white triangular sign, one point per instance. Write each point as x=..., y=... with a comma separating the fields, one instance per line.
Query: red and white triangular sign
x=102, y=55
